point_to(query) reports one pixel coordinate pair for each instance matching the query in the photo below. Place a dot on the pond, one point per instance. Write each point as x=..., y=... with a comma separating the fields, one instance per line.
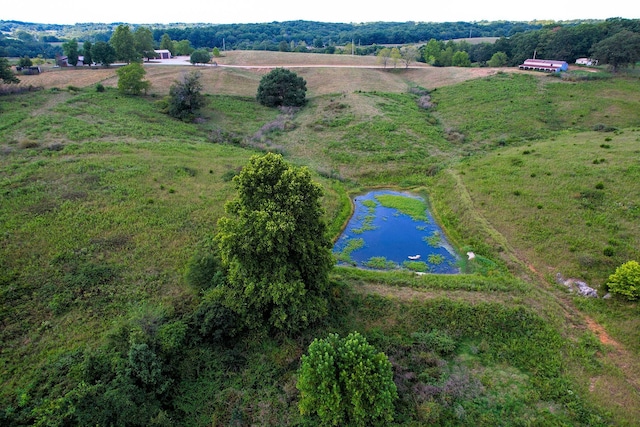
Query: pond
x=392, y=229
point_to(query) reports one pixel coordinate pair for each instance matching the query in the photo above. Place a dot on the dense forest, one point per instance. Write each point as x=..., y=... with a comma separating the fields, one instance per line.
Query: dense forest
x=518, y=40
x=563, y=40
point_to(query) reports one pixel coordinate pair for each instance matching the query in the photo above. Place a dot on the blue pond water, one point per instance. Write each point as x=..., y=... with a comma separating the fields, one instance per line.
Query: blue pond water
x=377, y=231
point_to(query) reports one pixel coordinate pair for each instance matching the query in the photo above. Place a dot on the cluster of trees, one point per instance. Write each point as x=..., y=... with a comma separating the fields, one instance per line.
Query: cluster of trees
x=614, y=42
x=128, y=46
x=22, y=43
x=517, y=40
x=319, y=35
x=558, y=42
x=124, y=45
x=276, y=255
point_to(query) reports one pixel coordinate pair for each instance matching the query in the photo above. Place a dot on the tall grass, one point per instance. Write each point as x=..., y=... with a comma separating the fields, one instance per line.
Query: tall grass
x=105, y=199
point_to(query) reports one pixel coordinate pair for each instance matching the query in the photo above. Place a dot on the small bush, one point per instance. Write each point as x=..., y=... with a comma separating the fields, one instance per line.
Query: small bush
x=626, y=280
x=346, y=381
x=26, y=144
x=437, y=341
x=185, y=97
x=227, y=176
x=600, y=127
x=99, y=87
x=204, y=272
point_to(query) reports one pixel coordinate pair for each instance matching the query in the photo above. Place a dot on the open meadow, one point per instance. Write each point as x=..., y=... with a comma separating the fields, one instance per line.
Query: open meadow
x=107, y=204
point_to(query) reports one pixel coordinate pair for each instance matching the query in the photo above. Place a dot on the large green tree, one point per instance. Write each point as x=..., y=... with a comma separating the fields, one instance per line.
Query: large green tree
x=346, y=382
x=86, y=49
x=167, y=43
x=432, y=51
x=70, y=49
x=461, y=59
x=619, y=50
x=6, y=75
x=200, y=56
x=274, y=245
x=183, y=47
x=25, y=62
x=282, y=87
x=498, y=59
x=103, y=53
x=143, y=41
x=123, y=42
x=131, y=79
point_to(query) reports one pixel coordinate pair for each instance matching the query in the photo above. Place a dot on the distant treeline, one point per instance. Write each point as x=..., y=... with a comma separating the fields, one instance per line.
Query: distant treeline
x=321, y=35
x=565, y=40
x=561, y=42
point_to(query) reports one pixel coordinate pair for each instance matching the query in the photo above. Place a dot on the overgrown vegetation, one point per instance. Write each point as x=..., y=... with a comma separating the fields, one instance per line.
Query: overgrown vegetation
x=185, y=97
x=274, y=246
x=111, y=280
x=282, y=88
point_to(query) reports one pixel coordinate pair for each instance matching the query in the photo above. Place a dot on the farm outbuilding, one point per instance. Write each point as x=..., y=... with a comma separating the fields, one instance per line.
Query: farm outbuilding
x=163, y=54
x=63, y=61
x=587, y=61
x=546, y=65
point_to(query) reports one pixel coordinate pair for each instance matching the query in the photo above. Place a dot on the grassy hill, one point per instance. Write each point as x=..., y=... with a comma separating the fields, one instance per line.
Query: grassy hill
x=106, y=202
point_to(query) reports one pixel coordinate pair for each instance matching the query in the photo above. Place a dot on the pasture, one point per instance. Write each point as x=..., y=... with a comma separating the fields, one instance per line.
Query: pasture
x=105, y=200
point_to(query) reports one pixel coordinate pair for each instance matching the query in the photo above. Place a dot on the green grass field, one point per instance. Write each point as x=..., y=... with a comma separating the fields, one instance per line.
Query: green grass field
x=106, y=201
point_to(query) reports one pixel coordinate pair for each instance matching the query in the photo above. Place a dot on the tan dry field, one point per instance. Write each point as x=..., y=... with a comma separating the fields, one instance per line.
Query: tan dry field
x=239, y=73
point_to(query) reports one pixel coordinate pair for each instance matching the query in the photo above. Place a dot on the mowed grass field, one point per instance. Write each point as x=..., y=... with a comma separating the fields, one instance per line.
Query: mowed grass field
x=105, y=200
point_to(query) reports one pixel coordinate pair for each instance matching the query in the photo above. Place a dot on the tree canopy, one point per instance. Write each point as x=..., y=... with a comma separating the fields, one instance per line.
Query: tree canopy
x=619, y=50
x=167, y=43
x=86, y=49
x=130, y=79
x=185, y=97
x=6, y=74
x=200, y=56
x=71, y=50
x=282, y=87
x=346, y=382
x=143, y=41
x=103, y=53
x=123, y=43
x=273, y=242
x=626, y=280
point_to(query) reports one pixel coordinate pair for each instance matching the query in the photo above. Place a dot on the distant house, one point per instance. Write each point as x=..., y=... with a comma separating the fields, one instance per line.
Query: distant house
x=546, y=65
x=587, y=61
x=163, y=54
x=63, y=61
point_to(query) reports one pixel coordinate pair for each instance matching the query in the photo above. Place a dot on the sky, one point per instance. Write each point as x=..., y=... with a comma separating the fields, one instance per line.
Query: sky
x=259, y=11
